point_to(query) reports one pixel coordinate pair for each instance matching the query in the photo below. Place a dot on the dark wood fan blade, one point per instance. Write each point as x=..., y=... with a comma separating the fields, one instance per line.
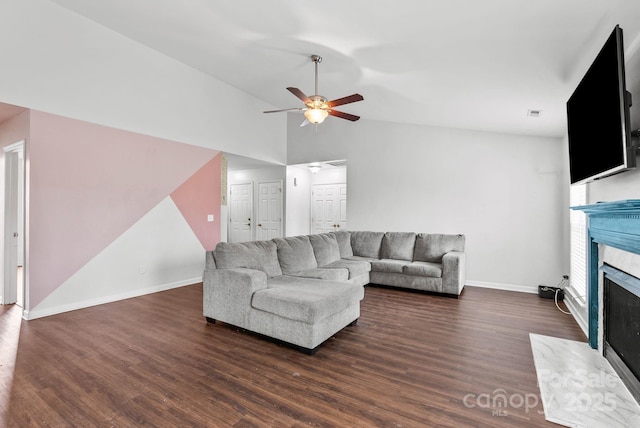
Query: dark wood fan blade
x=342, y=115
x=345, y=100
x=298, y=93
x=285, y=109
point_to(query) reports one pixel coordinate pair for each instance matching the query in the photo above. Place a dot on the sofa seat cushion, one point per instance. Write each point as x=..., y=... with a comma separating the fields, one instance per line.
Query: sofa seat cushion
x=295, y=254
x=306, y=300
x=423, y=269
x=355, y=267
x=388, y=265
x=260, y=255
x=325, y=247
x=324, y=273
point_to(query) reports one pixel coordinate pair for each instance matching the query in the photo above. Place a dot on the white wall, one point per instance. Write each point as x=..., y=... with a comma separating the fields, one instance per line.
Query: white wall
x=504, y=192
x=298, y=212
x=56, y=61
x=329, y=176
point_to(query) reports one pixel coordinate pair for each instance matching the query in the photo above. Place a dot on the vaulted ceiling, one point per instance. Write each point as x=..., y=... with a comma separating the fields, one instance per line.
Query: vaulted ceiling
x=472, y=64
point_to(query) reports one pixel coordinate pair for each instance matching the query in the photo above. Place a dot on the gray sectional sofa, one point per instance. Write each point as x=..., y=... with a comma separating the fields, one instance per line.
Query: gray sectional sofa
x=302, y=290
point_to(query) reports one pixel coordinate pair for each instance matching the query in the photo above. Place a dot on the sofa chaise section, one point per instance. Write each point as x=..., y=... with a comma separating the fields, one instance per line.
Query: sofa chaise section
x=244, y=286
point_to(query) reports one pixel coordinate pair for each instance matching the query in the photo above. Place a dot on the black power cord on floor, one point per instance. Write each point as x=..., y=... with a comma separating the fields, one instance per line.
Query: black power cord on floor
x=559, y=288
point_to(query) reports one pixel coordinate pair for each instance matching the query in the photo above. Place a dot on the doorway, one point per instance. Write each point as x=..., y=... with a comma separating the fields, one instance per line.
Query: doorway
x=14, y=196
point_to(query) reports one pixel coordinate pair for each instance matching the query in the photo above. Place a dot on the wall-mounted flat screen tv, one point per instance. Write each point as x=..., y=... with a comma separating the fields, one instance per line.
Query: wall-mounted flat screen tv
x=598, y=117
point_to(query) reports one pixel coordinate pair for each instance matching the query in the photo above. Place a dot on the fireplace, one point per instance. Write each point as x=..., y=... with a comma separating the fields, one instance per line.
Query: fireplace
x=613, y=289
x=621, y=319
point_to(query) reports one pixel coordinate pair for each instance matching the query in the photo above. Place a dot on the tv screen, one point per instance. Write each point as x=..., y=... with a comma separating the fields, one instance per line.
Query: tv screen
x=598, y=117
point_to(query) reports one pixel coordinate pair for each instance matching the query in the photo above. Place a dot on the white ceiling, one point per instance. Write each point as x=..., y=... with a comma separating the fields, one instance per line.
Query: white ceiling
x=473, y=64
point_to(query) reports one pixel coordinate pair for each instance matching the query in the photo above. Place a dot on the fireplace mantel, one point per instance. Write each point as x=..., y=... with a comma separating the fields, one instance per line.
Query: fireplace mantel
x=616, y=224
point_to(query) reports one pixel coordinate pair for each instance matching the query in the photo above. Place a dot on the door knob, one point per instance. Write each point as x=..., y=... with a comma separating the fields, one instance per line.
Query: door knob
x=15, y=234
x=259, y=225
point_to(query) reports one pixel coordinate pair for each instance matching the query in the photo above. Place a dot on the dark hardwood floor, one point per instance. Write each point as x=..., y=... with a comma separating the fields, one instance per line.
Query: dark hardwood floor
x=412, y=360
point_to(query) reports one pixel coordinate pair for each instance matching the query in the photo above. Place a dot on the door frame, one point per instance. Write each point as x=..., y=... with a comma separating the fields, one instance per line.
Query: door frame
x=14, y=210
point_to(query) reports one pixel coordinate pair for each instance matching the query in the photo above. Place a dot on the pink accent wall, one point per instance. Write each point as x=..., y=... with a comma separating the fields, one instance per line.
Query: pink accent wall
x=89, y=184
x=198, y=197
x=14, y=129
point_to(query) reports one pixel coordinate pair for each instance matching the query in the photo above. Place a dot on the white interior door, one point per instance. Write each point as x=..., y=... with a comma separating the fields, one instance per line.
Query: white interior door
x=329, y=207
x=13, y=287
x=269, y=210
x=241, y=212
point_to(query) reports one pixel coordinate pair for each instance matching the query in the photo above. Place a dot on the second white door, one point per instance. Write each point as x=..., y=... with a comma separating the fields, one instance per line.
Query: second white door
x=269, y=210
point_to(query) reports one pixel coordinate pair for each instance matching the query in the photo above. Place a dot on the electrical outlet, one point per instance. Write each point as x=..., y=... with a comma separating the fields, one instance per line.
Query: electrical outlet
x=565, y=276
x=142, y=269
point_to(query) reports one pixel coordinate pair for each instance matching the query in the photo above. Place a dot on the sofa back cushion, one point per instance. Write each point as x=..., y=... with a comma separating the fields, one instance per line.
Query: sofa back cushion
x=366, y=244
x=325, y=247
x=344, y=243
x=260, y=255
x=431, y=247
x=398, y=245
x=295, y=254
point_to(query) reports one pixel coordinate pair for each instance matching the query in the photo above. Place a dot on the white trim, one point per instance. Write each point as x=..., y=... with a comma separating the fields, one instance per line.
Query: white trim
x=578, y=311
x=30, y=315
x=11, y=222
x=509, y=287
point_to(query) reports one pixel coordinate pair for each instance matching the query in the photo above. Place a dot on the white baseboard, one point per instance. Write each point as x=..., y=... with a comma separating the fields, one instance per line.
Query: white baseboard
x=509, y=287
x=578, y=312
x=36, y=313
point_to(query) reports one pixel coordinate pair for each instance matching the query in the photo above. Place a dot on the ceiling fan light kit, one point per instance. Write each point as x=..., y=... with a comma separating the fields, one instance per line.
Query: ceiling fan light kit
x=316, y=115
x=317, y=108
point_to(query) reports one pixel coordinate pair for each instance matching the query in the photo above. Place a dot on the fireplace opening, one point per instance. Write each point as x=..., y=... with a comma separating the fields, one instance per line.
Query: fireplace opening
x=622, y=326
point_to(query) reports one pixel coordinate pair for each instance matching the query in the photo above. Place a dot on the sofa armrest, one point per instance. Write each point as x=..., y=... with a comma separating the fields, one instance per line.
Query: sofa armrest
x=453, y=272
x=227, y=294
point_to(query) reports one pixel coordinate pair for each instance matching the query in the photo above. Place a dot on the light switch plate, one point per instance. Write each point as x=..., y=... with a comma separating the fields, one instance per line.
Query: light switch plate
x=210, y=217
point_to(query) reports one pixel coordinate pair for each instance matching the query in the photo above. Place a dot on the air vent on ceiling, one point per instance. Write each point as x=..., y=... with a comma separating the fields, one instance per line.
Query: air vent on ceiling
x=337, y=163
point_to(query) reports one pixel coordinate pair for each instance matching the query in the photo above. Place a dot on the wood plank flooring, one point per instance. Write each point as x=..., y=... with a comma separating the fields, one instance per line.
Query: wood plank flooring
x=413, y=360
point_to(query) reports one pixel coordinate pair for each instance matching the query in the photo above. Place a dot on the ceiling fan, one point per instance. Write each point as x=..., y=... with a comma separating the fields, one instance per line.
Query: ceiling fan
x=318, y=108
